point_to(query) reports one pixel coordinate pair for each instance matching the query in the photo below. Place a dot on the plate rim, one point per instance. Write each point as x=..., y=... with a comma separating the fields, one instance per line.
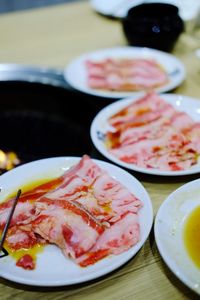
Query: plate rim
x=104, y=152
x=69, y=68
x=129, y=254
x=98, y=9
x=170, y=262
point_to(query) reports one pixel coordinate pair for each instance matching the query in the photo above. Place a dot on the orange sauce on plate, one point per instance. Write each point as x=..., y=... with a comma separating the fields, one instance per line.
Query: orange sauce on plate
x=191, y=235
x=26, y=189
x=17, y=254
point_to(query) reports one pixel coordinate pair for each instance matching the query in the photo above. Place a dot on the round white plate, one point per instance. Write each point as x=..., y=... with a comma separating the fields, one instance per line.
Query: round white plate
x=76, y=74
x=52, y=268
x=100, y=126
x=119, y=8
x=168, y=228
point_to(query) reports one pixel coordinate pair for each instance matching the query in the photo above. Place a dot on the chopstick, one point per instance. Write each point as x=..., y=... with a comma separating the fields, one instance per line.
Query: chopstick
x=5, y=230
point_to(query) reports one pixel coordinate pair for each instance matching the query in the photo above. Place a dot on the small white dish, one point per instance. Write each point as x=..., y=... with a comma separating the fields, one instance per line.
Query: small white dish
x=52, y=268
x=119, y=8
x=100, y=126
x=76, y=74
x=168, y=228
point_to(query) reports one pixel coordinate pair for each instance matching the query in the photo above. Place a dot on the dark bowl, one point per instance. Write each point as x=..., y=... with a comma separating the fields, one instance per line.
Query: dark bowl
x=155, y=25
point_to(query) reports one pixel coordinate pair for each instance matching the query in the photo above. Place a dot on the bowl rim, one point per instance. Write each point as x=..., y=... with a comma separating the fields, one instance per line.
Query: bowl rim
x=152, y=9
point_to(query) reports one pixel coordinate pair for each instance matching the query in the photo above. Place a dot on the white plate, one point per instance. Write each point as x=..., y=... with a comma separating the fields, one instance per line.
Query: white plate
x=76, y=74
x=168, y=228
x=119, y=8
x=100, y=126
x=53, y=269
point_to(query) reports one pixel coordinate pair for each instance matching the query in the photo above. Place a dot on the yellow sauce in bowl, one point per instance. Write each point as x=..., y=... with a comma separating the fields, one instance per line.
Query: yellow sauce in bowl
x=191, y=236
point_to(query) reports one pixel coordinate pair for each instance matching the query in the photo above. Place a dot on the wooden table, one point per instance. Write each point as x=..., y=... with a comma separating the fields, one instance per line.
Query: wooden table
x=52, y=37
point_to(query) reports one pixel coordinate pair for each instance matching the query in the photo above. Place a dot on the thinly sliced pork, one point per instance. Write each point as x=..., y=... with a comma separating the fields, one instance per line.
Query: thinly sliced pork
x=125, y=74
x=85, y=210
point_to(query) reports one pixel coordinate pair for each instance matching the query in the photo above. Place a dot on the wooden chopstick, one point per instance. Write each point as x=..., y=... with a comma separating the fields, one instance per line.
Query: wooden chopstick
x=8, y=220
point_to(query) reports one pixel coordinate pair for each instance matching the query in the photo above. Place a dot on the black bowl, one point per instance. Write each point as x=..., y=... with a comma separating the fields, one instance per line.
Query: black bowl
x=155, y=25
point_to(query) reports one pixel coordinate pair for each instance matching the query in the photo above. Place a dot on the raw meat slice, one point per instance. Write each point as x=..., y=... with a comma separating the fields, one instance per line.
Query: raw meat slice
x=83, y=211
x=118, y=238
x=150, y=133
x=125, y=74
x=67, y=225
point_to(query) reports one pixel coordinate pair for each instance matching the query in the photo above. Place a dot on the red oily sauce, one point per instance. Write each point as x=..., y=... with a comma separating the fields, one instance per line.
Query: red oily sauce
x=93, y=257
x=26, y=262
x=26, y=254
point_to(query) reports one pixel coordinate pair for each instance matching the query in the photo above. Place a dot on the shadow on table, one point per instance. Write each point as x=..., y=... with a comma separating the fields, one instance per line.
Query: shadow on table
x=183, y=289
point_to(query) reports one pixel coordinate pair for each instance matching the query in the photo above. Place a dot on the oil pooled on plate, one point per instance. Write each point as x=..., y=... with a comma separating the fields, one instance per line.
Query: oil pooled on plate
x=191, y=236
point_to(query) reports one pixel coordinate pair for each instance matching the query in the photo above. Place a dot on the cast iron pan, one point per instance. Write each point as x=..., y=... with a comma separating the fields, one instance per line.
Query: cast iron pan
x=41, y=116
